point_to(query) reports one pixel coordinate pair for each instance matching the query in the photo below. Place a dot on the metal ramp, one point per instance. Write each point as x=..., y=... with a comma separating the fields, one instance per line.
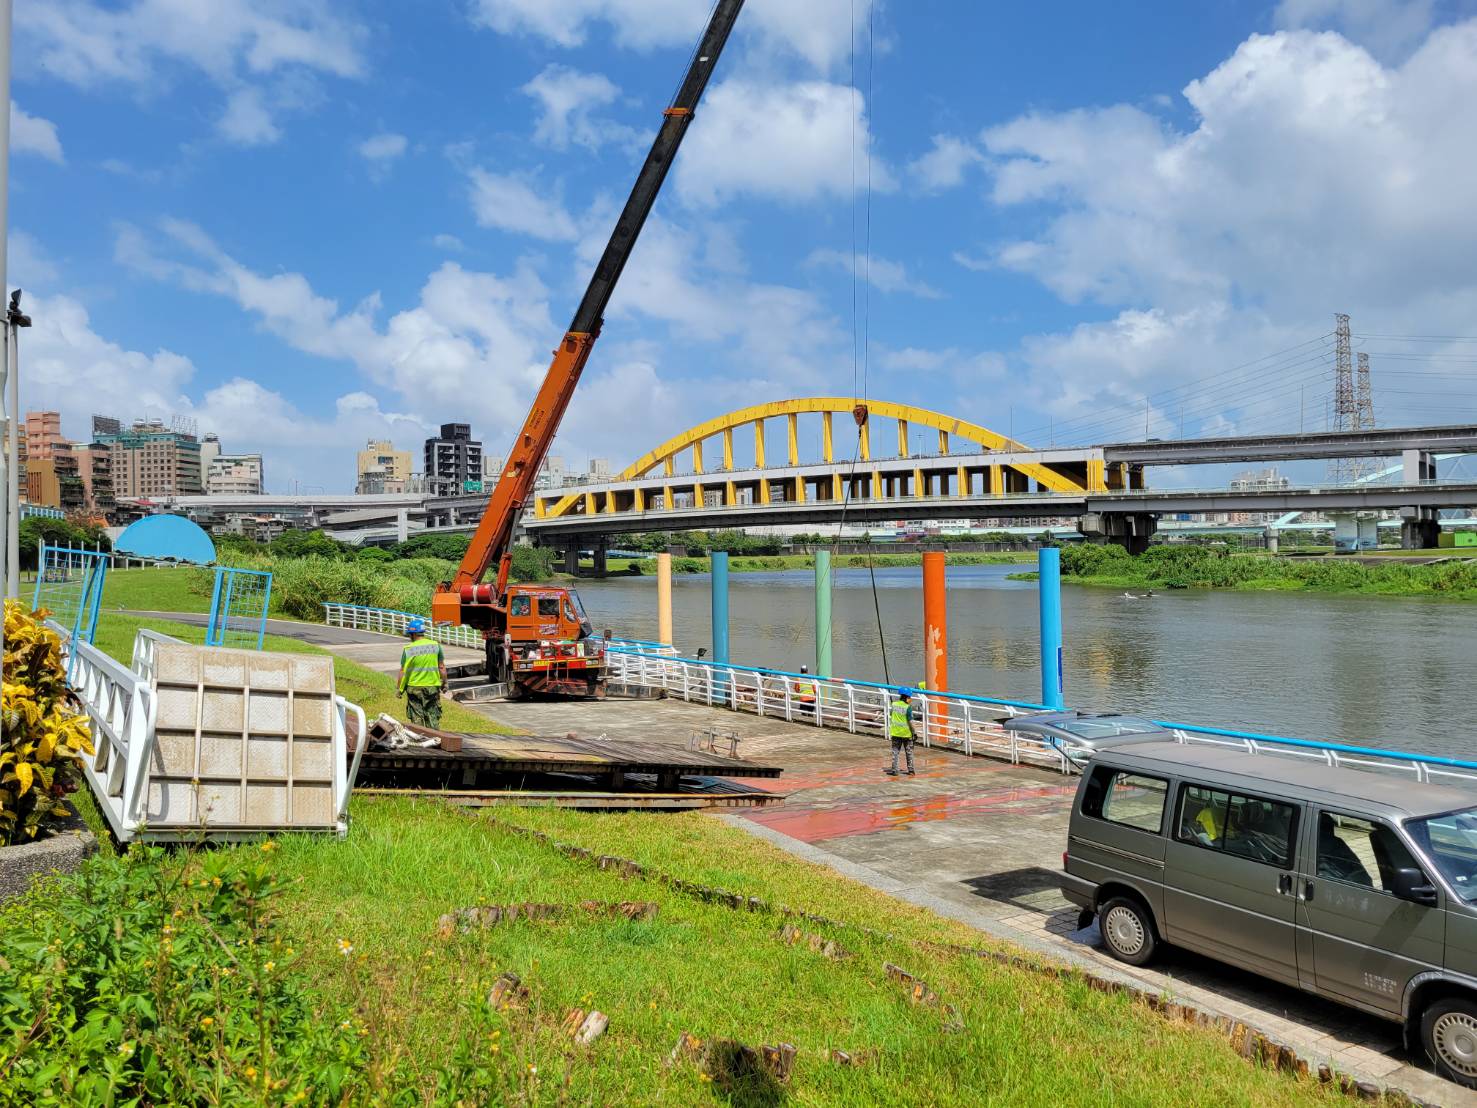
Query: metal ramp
x=194, y=742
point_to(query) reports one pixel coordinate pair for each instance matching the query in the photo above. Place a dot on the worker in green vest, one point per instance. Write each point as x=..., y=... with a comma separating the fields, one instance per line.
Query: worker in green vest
x=422, y=675
x=900, y=729
x=803, y=689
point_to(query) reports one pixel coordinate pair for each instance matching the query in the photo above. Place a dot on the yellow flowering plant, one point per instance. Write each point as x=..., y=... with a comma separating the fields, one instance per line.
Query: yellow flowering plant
x=45, y=734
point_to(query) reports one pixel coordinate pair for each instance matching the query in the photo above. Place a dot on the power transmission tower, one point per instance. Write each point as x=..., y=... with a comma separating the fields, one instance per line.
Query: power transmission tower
x=1345, y=403
x=1364, y=411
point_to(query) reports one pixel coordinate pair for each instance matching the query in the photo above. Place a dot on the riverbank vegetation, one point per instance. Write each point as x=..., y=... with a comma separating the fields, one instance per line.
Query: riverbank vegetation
x=1177, y=566
x=319, y=971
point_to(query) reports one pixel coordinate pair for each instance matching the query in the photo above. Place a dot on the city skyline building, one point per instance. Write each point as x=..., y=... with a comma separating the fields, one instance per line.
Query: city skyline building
x=234, y=475
x=453, y=460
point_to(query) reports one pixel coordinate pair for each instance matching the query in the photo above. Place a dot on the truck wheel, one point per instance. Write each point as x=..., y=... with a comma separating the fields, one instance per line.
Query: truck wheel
x=1449, y=1034
x=1128, y=930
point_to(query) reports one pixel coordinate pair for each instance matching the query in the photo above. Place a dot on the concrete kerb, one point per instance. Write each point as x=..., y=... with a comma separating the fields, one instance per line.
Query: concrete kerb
x=1247, y=1040
x=62, y=852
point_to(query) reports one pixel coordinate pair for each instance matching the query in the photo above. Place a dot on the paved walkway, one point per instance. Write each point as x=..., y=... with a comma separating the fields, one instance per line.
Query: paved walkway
x=970, y=838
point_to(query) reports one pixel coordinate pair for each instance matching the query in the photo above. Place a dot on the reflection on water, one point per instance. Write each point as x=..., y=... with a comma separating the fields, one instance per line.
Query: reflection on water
x=1389, y=671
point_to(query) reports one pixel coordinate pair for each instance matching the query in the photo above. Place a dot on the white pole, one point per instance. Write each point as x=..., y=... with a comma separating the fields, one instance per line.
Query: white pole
x=13, y=522
x=10, y=516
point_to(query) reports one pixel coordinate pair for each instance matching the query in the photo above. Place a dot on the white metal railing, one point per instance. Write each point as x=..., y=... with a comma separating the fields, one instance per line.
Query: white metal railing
x=952, y=721
x=387, y=621
x=120, y=704
x=1423, y=767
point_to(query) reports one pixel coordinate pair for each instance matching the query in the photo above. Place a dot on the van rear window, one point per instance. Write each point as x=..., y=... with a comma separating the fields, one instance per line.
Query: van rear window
x=1132, y=799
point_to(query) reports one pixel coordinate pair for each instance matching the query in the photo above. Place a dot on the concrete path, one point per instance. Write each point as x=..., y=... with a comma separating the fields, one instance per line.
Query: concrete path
x=971, y=838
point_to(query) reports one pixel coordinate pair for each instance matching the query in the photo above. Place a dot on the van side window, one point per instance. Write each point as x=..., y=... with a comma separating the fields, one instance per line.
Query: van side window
x=548, y=607
x=519, y=606
x=1247, y=826
x=1360, y=852
x=1131, y=799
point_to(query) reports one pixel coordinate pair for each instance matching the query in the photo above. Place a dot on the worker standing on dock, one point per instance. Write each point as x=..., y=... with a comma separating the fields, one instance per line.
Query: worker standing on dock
x=803, y=688
x=900, y=729
x=422, y=675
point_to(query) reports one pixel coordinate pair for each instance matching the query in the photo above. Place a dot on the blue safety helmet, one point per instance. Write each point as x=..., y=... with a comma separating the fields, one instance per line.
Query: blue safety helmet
x=416, y=626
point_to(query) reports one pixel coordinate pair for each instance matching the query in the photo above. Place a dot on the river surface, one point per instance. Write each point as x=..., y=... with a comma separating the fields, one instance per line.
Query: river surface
x=1386, y=671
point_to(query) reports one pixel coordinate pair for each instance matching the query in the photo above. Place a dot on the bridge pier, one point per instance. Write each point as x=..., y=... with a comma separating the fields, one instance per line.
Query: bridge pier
x=1420, y=528
x=601, y=552
x=572, y=556
x=1130, y=530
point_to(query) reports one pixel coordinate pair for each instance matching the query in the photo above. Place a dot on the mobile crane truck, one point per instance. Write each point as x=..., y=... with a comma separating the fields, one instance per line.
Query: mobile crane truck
x=538, y=637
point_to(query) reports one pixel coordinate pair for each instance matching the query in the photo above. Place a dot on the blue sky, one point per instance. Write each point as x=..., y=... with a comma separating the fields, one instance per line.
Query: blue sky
x=304, y=223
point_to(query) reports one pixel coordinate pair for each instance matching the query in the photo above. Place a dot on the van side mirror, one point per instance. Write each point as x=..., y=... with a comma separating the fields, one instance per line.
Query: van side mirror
x=1409, y=883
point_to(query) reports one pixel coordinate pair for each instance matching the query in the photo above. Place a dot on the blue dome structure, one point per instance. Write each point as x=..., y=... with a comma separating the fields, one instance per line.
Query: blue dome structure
x=167, y=538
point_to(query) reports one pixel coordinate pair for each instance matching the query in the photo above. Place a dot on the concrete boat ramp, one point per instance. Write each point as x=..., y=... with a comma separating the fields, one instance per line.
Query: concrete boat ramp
x=971, y=838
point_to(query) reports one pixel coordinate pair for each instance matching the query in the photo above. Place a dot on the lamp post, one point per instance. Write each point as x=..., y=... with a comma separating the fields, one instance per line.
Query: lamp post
x=15, y=319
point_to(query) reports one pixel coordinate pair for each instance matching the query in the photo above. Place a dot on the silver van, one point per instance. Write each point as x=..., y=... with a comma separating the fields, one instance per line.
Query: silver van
x=1357, y=886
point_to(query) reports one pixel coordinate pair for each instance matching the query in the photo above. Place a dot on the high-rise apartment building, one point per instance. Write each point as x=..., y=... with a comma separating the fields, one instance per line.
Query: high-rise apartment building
x=95, y=470
x=210, y=450
x=453, y=460
x=150, y=459
x=382, y=468
x=44, y=435
x=234, y=475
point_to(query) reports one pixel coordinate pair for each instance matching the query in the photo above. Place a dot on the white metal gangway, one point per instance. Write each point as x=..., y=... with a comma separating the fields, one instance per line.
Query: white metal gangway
x=140, y=788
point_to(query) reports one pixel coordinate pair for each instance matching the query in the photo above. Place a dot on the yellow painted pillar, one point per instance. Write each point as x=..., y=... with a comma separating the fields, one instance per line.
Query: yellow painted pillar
x=918, y=482
x=763, y=489
x=836, y=491
x=610, y=502
x=728, y=448
x=961, y=482
x=799, y=489
x=794, y=427
x=997, y=481
x=876, y=484
x=902, y=438
x=589, y=504
x=1096, y=475
x=758, y=444
x=730, y=494
x=943, y=441
x=667, y=497
x=667, y=467
x=540, y=508
x=826, y=437
x=638, y=499
x=697, y=496
x=697, y=456
x=866, y=441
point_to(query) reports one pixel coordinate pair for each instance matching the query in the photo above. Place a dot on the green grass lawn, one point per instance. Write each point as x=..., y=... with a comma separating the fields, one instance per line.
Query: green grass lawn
x=157, y=589
x=1028, y=1038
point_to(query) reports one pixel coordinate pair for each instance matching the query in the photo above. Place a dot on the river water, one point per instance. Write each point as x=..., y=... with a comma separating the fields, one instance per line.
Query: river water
x=1385, y=671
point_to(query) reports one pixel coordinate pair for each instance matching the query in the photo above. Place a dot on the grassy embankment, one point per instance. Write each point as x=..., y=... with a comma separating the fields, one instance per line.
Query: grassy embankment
x=1196, y=567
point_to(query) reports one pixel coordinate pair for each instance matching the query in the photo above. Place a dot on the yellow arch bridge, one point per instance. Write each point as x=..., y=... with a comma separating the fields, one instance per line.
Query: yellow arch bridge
x=701, y=468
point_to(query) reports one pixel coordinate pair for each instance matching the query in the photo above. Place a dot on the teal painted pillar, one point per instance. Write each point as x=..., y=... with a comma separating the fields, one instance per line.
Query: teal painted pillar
x=720, y=606
x=823, y=613
x=1049, y=562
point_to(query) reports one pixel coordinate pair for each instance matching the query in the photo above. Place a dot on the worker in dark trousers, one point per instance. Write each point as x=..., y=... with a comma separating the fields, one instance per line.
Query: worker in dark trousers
x=422, y=675
x=900, y=729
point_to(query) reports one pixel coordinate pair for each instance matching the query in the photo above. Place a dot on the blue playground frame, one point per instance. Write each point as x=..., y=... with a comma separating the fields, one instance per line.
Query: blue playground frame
x=237, y=587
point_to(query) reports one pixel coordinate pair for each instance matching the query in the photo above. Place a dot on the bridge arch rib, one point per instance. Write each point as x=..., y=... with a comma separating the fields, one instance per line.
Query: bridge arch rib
x=905, y=416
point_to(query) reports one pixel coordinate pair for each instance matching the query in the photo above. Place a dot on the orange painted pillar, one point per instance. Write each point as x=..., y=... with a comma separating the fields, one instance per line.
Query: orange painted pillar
x=935, y=623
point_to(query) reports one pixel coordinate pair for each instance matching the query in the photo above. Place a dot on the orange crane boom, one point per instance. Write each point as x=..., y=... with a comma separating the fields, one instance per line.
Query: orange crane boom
x=465, y=599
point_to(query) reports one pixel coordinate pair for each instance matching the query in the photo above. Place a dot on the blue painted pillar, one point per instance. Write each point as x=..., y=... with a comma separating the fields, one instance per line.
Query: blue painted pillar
x=1050, y=565
x=720, y=606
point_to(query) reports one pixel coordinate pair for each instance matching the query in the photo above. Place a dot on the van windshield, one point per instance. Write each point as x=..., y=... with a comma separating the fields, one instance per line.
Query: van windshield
x=1451, y=842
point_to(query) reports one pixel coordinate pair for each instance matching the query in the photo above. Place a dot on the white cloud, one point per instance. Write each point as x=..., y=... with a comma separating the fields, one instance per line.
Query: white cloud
x=27, y=264
x=30, y=134
x=449, y=242
x=259, y=52
x=246, y=120
x=817, y=31
x=1389, y=28
x=789, y=142
x=880, y=273
x=568, y=101
x=511, y=204
x=383, y=147
x=944, y=165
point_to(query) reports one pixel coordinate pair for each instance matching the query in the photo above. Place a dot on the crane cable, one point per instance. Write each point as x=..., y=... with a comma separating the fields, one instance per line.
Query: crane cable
x=861, y=319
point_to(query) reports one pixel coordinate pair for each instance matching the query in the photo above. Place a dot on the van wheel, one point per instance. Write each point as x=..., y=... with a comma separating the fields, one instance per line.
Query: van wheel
x=1449, y=1034
x=1128, y=931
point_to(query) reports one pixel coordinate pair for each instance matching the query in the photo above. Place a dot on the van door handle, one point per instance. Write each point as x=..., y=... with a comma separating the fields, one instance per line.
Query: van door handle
x=1284, y=884
x=1307, y=891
